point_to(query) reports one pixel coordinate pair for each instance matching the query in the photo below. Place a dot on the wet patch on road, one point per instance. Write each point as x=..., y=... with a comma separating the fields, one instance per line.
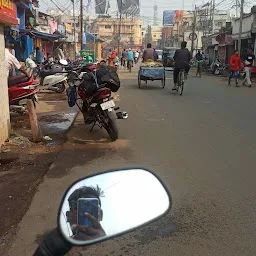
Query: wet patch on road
x=55, y=125
x=164, y=227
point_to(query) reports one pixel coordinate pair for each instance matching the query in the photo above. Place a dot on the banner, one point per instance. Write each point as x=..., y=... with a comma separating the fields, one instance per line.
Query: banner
x=69, y=28
x=8, y=13
x=178, y=15
x=168, y=18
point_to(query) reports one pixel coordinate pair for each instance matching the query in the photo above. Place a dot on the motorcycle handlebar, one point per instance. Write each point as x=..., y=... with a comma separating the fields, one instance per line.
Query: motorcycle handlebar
x=53, y=244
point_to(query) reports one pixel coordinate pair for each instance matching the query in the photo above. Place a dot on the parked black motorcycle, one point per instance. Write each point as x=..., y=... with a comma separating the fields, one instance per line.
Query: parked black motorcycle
x=94, y=90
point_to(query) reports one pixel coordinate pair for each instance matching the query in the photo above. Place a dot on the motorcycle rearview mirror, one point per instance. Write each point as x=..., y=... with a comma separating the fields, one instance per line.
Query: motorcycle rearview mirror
x=112, y=203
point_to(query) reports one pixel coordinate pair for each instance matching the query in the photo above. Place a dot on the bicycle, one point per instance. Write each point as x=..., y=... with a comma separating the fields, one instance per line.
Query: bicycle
x=129, y=66
x=199, y=68
x=181, y=80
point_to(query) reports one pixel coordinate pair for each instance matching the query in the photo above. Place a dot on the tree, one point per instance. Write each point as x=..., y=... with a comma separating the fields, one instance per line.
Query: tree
x=148, y=36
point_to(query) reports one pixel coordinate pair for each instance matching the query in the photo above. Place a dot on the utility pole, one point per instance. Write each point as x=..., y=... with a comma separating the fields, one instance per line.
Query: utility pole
x=74, y=28
x=82, y=24
x=193, y=32
x=119, y=28
x=213, y=14
x=237, y=4
x=155, y=8
x=240, y=25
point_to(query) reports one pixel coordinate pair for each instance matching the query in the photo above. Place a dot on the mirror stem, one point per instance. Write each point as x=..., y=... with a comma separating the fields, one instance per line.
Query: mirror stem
x=53, y=244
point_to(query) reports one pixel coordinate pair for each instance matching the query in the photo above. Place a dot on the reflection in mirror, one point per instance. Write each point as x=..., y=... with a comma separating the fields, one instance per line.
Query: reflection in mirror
x=111, y=203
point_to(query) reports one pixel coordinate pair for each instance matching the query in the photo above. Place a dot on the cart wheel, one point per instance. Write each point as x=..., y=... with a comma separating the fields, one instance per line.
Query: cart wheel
x=163, y=82
x=139, y=80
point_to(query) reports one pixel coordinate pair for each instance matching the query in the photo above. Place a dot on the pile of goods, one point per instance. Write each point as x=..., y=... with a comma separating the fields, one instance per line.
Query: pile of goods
x=151, y=63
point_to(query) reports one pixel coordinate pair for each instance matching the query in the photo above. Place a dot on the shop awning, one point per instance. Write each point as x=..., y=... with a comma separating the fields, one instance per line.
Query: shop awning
x=35, y=33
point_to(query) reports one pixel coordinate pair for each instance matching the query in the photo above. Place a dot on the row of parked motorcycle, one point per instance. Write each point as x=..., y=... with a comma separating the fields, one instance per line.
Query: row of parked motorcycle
x=218, y=68
x=89, y=86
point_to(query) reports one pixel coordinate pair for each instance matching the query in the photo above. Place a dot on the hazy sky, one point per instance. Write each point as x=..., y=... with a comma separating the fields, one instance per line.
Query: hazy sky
x=146, y=12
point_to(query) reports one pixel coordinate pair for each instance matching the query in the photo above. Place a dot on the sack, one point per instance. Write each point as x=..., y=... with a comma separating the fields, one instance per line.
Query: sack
x=108, y=75
x=72, y=96
x=89, y=83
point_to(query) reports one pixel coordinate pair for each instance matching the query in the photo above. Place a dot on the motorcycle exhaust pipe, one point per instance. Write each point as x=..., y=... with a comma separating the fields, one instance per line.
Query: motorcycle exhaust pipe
x=122, y=115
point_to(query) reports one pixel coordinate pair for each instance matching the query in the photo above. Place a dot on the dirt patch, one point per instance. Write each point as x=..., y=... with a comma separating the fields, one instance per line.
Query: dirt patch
x=19, y=177
x=55, y=118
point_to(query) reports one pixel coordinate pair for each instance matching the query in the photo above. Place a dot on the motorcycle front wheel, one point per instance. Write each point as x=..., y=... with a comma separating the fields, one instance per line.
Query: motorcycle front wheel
x=60, y=87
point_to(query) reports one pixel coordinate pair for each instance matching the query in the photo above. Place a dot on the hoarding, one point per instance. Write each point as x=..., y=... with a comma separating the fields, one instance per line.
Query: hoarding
x=129, y=7
x=101, y=6
x=168, y=18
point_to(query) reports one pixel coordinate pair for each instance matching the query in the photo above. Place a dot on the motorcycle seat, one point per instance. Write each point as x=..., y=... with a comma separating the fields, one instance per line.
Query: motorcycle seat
x=48, y=72
x=18, y=79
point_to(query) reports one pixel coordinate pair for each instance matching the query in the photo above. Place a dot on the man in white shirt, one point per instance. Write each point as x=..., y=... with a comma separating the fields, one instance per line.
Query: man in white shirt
x=12, y=63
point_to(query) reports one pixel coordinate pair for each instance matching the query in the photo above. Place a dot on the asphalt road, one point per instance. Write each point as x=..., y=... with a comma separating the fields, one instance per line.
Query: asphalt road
x=203, y=146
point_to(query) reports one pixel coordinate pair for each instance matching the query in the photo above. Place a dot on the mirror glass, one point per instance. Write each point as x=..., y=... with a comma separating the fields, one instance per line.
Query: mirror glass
x=111, y=203
x=63, y=62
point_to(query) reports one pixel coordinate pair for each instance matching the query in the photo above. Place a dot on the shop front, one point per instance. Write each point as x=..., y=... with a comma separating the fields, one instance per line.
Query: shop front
x=7, y=18
x=226, y=47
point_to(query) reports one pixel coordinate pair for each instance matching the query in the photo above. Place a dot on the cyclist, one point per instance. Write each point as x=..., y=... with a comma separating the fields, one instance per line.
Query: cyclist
x=130, y=58
x=182, y=58
x=199, y=59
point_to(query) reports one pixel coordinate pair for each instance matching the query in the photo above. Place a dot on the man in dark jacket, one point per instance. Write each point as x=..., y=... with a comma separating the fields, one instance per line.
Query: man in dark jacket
x=182, y=58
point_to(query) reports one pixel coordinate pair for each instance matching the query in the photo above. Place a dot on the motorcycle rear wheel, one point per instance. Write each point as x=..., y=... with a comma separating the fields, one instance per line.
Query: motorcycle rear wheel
x=112, y=129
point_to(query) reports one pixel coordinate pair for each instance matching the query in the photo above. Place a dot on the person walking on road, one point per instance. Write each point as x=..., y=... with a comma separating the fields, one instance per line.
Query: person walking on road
x=248, y=64
x=235, y=66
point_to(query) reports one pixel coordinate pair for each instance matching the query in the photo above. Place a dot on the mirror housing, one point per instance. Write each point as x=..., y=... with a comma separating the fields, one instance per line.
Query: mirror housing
x=112, y=203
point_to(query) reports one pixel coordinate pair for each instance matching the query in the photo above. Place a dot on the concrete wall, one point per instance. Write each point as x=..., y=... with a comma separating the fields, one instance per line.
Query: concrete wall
x=4, y=101
x=247, y=25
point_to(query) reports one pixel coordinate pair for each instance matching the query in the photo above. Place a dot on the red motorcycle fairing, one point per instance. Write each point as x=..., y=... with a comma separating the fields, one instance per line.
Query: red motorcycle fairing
x=23, y=90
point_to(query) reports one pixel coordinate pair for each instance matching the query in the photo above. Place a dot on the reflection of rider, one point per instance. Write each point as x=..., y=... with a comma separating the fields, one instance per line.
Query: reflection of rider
x=81, y=232
x=182, y=58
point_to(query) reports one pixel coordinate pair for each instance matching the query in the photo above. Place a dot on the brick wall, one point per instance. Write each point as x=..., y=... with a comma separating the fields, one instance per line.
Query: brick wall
x=4, y=104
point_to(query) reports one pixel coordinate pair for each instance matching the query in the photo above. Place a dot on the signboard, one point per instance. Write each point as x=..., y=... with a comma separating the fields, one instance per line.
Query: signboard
x=168, y=18
x=61, y=29
x=87, y=55
x=8, y=12
x=191, y=36
x=101, y=6
x=178, y=15
x=68, y=28
x=129, y=7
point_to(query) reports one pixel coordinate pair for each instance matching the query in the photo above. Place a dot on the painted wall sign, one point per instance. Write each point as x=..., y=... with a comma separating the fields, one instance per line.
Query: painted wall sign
x=8, y=13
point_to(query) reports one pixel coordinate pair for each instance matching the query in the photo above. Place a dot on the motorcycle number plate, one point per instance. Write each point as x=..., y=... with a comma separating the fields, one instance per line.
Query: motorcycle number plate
x=107, y=105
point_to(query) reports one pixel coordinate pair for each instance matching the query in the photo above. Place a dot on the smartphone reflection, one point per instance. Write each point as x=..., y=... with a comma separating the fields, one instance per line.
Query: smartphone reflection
x=85, y=213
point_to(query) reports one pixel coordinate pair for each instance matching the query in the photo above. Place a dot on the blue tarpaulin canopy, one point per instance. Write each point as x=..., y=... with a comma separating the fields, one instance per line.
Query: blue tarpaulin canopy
x=42, y=35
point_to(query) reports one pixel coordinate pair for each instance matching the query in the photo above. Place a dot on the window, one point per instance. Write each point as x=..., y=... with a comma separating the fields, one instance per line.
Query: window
x=154, y=35
x=107, y=26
